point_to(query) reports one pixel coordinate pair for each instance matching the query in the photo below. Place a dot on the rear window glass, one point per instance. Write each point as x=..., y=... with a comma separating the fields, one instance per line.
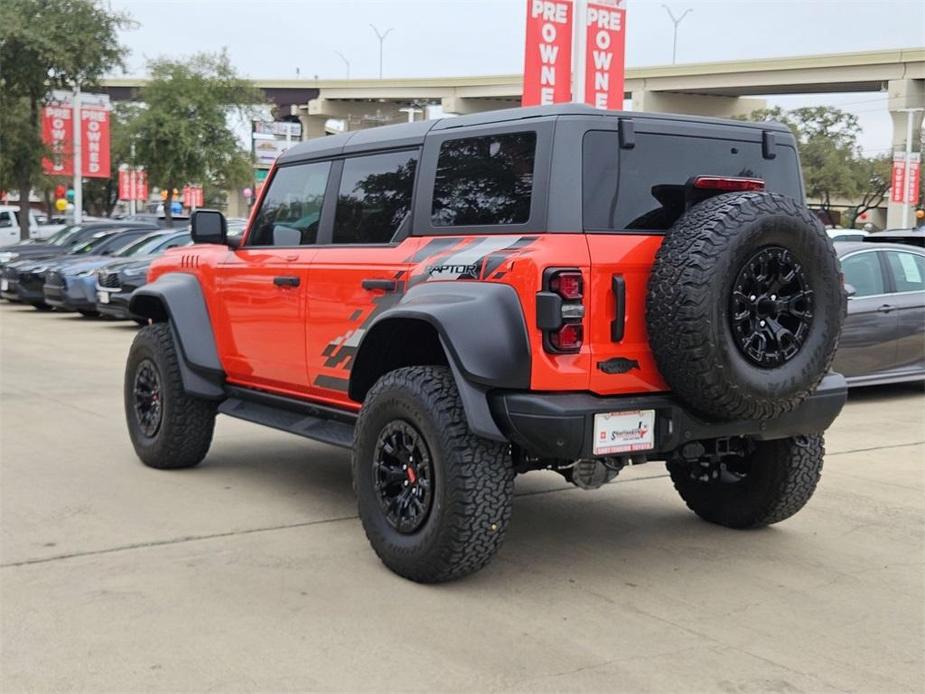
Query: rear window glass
x=484, y=181
x=642, y=189
x=374, y=200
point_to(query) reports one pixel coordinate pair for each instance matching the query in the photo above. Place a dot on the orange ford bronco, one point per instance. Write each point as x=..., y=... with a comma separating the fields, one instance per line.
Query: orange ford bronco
x=461, y=300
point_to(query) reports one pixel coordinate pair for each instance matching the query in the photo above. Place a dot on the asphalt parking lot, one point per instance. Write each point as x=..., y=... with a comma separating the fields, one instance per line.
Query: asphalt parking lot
x=252, y=573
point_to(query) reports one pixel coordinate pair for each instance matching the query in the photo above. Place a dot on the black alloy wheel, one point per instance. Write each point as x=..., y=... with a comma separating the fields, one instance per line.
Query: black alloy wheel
x=771, y=307
x=148, y=398
x=403, y=476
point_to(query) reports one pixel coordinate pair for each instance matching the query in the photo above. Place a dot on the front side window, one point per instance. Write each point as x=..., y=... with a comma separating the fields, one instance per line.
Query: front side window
x=908, y=270
x=484, y=181
x=374, y=200
x=291, y=210
x=862, y=271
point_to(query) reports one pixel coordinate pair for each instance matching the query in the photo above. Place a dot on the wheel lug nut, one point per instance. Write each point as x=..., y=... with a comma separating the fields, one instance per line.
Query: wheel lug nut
x=762, y=324
x=404, y=467
x=752, y=297
x=406, y=483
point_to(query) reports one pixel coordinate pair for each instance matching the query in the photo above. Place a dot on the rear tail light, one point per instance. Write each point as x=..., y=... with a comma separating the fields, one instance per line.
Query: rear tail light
x=727, y=183
x=560, y=310
x=567, y=284
x=568, y=338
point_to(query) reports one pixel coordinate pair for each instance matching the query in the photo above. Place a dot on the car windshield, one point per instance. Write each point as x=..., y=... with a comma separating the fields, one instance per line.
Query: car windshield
x=92, y=244
x=66, y=236
x=172, y=241
x=142, y=246
x=61, y=236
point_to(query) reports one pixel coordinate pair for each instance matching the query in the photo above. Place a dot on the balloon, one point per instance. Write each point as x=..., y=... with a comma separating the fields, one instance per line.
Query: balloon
x=247, y=192
x=176, y=207
x=61, y=204
x=59, y=191
x=70, y=195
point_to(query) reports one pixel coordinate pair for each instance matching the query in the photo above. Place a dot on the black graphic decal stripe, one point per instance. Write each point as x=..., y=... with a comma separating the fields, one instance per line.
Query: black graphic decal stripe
x=332, y=382
x=494, y=261
x=433, y=247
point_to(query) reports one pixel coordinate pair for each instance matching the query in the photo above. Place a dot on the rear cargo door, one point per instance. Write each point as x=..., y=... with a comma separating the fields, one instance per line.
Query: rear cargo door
x=634, y=183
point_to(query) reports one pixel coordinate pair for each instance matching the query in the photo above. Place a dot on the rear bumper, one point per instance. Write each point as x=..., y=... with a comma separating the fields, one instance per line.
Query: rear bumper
x=560, y=425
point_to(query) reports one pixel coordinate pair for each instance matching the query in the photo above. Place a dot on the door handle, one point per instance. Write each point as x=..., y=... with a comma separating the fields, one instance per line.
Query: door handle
x=886, y=308
x=286, y=281
x=385, y=285
x=617, y=325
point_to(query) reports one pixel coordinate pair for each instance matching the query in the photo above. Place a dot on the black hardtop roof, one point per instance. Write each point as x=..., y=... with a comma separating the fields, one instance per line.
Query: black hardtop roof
x=411, y=134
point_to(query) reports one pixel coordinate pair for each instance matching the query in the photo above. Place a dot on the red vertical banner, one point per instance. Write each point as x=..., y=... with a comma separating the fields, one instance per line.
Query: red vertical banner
x=605, y=53
x=548, y=57
x=95, y=141
x=125, y=184
x=58, y=136
x=141, y=185
x=912, y=179
x=898, y=180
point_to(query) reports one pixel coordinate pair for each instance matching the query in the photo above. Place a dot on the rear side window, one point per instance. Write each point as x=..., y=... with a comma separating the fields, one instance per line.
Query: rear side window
x=862, y=271
x=374, y=200
x=908, y=270
x=642, y=189
x=291, y=210
x=484, y=181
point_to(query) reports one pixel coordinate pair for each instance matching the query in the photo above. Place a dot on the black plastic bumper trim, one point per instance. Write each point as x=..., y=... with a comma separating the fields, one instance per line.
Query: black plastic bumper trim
x=559, y=425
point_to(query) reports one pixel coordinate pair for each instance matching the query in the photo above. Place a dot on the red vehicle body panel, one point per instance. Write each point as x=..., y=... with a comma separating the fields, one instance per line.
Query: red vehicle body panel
x=301, y=340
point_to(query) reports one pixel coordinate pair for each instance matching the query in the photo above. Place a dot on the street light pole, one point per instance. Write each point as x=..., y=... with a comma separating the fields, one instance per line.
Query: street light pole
x=381, y=37
x=676, y=21
x=907, y=203
x=347, y=63
x=77, y=158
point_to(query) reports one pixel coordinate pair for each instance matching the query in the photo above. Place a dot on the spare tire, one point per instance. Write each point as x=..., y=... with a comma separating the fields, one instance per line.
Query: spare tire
x=745, y=305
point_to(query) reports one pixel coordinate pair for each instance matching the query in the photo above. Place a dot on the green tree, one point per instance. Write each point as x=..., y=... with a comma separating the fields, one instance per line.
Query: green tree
x=182, y=135
x=873, y=181
x=828, y=141
x=44, y=45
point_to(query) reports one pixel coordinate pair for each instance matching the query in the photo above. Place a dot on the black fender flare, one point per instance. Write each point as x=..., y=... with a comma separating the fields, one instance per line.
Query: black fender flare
x=177, y=298
x=483, y=333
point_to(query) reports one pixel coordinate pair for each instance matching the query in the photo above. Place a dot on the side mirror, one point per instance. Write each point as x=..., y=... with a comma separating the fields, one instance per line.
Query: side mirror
x=208, y=226
x=850, y=290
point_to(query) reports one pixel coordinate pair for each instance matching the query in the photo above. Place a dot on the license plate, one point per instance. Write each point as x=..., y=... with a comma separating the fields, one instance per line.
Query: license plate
x=103, y=297
x=4, y=285
x=622, y=432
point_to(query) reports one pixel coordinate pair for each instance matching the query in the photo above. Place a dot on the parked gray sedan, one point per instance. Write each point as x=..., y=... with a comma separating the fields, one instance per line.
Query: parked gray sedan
x=883, y=337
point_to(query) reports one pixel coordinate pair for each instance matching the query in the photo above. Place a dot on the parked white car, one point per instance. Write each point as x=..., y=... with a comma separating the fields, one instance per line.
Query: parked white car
x=9, y=225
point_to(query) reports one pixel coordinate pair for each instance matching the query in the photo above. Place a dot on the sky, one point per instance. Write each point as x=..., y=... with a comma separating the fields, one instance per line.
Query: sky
x=436, y=38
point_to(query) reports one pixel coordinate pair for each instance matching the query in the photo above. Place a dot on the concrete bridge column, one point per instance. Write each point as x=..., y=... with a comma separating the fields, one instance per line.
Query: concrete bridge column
x=905, y=94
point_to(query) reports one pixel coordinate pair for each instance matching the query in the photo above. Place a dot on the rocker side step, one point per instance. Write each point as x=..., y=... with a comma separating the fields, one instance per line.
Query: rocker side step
x=292, y=416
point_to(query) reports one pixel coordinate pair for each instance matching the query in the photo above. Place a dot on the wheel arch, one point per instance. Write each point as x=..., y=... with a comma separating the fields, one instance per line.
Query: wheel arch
x=177, y=298
x=475, y=328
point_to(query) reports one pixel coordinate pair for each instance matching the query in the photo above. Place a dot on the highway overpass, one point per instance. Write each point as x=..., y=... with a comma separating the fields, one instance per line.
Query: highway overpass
x=715, y=89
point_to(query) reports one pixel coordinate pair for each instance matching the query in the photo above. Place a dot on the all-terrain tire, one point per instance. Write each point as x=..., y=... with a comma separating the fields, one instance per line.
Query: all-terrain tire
x=781, y=477
x=689, y=310
x=473, y=479
x=184, y=432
